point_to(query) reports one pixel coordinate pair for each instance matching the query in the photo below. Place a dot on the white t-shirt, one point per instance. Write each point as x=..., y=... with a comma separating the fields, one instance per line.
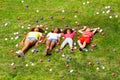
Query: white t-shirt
x=53, y=35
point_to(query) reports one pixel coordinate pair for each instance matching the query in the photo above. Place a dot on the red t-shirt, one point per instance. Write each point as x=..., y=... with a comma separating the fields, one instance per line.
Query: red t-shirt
x=87, y=34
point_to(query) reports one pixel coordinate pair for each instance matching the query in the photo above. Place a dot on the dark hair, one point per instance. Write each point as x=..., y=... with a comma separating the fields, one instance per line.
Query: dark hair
x=59, y=31
x=65, y=31
x=40, y=30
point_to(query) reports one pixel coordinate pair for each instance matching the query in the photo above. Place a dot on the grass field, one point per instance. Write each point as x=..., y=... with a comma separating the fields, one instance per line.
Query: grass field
x=17, y=15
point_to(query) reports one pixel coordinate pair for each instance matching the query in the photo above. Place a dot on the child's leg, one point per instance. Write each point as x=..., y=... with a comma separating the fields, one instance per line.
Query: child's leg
x=80, y=44
x=64, y=43
x=36, y=44
x=27, y=44
x=44, y=40
x=84, y=45
x=70, y=41
x=52, y=45
x=48, y=44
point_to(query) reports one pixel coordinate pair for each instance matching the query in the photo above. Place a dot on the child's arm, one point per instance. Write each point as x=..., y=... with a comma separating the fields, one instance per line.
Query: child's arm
x=62, y=34
x=44, y=39
x=74, y=33
x=59, y=39
x=95, y=30
x=83, y=29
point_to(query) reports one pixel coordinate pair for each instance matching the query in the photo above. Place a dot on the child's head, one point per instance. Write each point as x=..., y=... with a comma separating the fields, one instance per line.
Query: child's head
x=56, y=30
x=68, y=31
x=37, y=29
x=88, y=29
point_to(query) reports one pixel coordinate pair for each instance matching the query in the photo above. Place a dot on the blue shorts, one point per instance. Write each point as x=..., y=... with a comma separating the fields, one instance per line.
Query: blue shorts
x=55, y=40
x=31, y=38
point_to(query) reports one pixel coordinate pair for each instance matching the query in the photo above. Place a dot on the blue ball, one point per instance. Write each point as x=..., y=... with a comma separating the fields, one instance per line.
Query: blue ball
x=51, y=17
x=41, y=18
x=97, y=62
x=66, y=25
x=48, y=59
x=36, y=21
x=62, y=76
x=26, y=6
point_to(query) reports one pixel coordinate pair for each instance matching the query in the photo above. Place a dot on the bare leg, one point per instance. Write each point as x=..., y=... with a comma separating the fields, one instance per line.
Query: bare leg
x=81, y=45
x=44, y=40
x=52, y=45
x=48, y=44
x=36, y=44
x=84, y=45
x=27, y=45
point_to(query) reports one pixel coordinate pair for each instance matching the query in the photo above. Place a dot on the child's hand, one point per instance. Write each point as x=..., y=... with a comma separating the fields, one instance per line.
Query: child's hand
x=39, y=41
x=84, y=27
x=96, y=29
x=61, y=33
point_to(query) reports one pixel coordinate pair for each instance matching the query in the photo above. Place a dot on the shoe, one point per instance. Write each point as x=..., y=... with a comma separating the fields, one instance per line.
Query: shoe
x=19, y=53
x=80, y=49
x=84, y=49
x=58, y=50
x=36, y=50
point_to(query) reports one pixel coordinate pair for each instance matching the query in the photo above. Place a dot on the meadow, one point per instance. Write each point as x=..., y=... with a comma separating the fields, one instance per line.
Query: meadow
x=99, y=63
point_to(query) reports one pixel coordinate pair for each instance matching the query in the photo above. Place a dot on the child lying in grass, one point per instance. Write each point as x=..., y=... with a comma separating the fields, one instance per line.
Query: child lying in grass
x=31, y=39
x=53, y=38
x=87, y=35
x=68, y=34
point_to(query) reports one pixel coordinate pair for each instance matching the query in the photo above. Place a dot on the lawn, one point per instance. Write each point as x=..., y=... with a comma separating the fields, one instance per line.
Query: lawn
x=99, y=63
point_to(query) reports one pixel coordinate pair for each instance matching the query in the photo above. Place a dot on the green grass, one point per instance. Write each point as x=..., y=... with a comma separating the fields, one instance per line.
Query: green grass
x=56, y=69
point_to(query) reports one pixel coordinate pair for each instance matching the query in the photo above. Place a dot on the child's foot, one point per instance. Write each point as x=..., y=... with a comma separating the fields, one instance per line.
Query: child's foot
x=46, y=52
x=19, y=53
x=80, y=49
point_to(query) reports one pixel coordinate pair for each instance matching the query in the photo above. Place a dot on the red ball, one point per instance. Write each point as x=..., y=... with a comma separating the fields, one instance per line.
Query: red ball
x=91, y=50
x=75, y=11
x=25, y=33
x=67, y=65
x=41, y=26
x=18, y=18
x=93, y=45
x=113, y=74
x=41, y=60
x=102, y=34
x=14, y=67
x=63, y=17
x=78, y=24
x=11, y=51
x=90, y=63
